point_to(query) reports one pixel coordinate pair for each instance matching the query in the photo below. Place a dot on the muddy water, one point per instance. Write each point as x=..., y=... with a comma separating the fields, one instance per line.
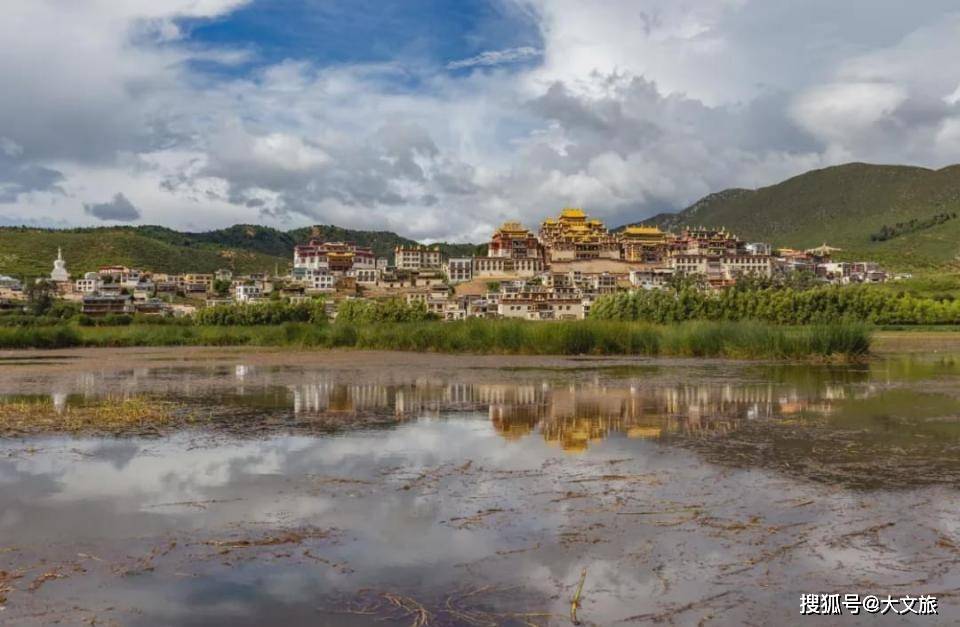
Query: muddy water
x=366, y=489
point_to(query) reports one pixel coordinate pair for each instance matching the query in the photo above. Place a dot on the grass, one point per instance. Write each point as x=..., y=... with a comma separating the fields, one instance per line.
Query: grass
x=747, y=340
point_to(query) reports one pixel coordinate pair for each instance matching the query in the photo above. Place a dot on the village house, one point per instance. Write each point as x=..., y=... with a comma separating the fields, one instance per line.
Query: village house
x=651, y=278
x=539, y=305
x=247, y=293
x=89, y=284
x=417, y=258
x=460, y=269
x=102, y=305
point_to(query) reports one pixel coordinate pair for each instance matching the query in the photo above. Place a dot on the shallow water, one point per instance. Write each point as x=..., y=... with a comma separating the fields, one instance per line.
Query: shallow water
x=467, y=494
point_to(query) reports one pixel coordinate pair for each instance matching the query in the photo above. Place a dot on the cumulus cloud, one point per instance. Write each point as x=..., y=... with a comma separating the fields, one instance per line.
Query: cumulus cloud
x=631, y=108
x=496, y=57
x=120, y=209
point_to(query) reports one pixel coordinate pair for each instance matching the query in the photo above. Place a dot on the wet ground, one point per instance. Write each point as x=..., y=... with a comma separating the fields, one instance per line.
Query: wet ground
x=398, y=489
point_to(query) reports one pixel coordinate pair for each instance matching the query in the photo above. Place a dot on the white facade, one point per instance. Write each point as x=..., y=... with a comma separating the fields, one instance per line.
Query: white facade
x=247, y=293
x=460, y=269
x=366, y=276
x=491, y=267
x=89, y=284
x=652, y=279
x=419, y=258
x=321, y=282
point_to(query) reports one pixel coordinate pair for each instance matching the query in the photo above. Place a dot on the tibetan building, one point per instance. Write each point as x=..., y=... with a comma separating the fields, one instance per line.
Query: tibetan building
x=644, y=244
x=332, y=256
x=514, y=241
x=712, y=242
x=574, y=236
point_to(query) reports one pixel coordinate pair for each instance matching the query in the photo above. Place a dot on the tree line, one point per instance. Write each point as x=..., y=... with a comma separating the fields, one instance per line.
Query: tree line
x=911, y=226
x=780, y=305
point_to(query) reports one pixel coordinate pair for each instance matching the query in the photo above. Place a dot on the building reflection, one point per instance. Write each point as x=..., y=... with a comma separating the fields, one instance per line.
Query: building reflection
x=570, y=416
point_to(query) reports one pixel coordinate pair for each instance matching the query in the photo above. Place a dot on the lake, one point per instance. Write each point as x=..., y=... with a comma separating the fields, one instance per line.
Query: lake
x=399, y=489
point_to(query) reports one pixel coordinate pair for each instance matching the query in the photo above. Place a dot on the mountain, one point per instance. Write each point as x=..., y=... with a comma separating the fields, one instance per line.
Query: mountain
x=26, y=251
x=904, y=217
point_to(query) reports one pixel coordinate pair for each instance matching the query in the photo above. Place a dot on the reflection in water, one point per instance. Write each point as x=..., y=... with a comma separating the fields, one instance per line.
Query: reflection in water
x=569, y=408
x=473, y=487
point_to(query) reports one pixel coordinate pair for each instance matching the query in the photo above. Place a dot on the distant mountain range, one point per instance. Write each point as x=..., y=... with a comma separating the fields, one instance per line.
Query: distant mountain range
x=26, y=251
x=905, y=217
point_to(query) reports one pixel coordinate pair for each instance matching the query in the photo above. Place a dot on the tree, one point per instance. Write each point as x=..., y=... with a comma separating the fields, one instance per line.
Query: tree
x=41, y=295
x=221, y=288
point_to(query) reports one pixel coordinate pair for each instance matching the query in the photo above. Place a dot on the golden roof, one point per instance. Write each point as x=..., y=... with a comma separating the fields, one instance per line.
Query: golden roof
x=642, y=230
x=572, y=213
x=823, y=250
x=513, y=227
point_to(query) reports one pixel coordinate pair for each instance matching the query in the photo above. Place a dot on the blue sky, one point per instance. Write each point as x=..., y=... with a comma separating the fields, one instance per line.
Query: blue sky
x=442, y=119
x=421, y=34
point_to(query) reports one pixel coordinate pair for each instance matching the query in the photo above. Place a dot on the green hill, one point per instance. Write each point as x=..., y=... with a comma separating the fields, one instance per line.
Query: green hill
x=905, y=217
x=26, y=251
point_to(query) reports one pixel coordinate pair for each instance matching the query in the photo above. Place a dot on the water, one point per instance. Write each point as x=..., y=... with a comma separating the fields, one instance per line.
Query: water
x=390, y=489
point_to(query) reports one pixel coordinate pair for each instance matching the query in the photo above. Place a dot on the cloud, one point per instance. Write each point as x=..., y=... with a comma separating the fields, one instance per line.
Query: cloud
x=120, y=209
x=496, y=57
x=631, y=108
x=19, y=177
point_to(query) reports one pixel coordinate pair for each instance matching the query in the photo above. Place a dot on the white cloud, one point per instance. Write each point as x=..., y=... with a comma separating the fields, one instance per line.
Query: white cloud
x=840, y=111
x=635, y=106
x=496, y=57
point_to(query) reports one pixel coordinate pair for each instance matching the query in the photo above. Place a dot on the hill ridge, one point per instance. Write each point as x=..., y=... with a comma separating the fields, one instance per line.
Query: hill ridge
x=845, y=205
x=27, y=251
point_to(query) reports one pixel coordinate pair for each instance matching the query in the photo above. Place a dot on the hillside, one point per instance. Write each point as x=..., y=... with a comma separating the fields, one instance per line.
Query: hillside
x=905, y=217
x=242, y=248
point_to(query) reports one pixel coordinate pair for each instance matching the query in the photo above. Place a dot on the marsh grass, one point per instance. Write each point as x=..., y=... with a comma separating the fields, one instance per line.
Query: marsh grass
x=130, y=415
x=749, y=340
x=39, y=337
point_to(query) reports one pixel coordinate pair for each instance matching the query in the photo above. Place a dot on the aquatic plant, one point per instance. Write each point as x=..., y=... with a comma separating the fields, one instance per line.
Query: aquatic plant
x=127, y=415
x=60, y=336
x=743, y=339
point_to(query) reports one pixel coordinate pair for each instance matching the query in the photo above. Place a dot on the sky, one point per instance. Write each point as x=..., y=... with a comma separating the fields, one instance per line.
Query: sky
x=440, y=119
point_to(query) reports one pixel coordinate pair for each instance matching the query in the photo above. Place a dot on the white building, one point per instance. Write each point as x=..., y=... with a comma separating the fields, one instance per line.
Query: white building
x=651, y=278
x=59, y=273
x=89, y=284
x=365, y=276
x=540, y=306
x=417, y=258
x=320, y=282
x=10, y=283
x=460, y=269
x=247, y=293
x=759, y=248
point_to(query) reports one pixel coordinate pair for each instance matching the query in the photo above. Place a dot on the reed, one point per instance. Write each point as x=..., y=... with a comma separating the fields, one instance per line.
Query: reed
x=746, y=339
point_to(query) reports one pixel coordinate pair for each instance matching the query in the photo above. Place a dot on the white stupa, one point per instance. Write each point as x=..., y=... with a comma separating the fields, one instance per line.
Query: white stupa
x=59, y=273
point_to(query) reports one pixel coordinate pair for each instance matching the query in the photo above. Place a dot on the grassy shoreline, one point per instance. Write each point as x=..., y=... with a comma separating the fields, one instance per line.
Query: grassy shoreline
x=740, y=340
